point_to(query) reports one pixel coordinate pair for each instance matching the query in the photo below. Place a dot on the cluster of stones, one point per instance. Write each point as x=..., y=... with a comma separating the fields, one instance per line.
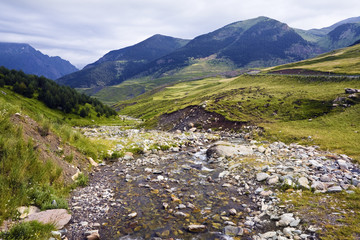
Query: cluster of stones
x=278, y=165
x=255, y=170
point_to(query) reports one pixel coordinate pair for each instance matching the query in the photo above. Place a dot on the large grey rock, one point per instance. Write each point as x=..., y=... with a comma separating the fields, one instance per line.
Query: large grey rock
x=343, y=164
x=262, y=176
x=303, y=182
x=59, y=217
x=334, y=189
x=226, y=149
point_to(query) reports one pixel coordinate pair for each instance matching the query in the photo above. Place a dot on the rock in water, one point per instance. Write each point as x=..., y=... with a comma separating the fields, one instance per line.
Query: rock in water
x=196, y=228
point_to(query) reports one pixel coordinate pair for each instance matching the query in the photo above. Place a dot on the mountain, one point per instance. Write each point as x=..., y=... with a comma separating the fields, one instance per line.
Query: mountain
x=345, y=61
x=323, y=31
x=342, y=36
x=21, y=56
x=256, y=42
x=118, y=65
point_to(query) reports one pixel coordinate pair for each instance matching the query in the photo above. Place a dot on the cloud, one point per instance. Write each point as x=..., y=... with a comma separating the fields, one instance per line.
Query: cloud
x=84, y=30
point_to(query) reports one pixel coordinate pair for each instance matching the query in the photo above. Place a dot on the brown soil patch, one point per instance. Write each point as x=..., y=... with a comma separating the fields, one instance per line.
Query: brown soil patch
x=51, y=148
x=300, y=71
x=196, y=116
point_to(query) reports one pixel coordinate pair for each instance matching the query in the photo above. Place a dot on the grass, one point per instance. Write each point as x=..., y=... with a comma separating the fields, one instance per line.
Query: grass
x=199, y=68
x=25, y=179
x=29, y=231
x=282, y=105
x=343, y=61
x=336, y=214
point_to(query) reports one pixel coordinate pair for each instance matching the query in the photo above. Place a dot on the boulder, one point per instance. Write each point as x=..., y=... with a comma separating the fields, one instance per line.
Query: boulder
x=226, y=149
x=58, y=217
x=262, y=176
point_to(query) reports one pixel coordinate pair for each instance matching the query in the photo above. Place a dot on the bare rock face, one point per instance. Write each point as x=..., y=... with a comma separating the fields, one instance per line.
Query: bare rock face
x=58, y=217
x=226, y=149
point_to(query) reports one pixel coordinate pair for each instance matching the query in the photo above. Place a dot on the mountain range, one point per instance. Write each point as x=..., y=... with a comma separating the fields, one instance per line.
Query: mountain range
x=22, y=56
x=258, y=42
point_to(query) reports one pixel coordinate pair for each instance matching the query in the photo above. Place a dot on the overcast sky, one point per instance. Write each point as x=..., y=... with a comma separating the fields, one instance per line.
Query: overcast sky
x=82, y=31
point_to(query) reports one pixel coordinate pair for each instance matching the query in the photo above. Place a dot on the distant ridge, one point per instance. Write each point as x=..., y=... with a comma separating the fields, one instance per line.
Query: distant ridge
x=118, y=65
x=21, y=56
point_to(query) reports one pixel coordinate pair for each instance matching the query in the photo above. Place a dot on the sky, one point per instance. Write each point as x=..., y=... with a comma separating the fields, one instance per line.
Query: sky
x=82, y=31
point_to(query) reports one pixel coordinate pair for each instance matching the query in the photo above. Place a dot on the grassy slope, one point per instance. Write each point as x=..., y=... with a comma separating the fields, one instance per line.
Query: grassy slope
x=24, y=178
x=343, y=61
x=282, y=105
x=134, y=87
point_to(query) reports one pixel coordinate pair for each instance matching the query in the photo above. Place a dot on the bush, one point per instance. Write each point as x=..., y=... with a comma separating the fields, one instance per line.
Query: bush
x=29, y=231
x=82, y=180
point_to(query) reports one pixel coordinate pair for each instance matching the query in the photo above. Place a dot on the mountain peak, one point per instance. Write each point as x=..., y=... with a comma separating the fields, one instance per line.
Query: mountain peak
x=22, y=56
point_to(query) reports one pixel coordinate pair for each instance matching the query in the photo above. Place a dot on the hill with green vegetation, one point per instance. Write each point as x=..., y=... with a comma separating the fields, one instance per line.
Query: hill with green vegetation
x=126, y=73
x=21, y=56
x=344, y=61
x=40, y=151
x=118, y=65
x=289, y=108
x=53, y=95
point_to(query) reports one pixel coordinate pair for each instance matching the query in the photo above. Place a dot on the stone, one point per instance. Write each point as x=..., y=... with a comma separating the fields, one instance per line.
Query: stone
x=288, y=231
x=128, y=156
x=92, y=162
x=342, y=164
x=26, y=211
x=84, y=223
x=285, y=219
x=94, y=235
x=325, y=178
x=181, y=214
x=295, y=223
x=262, y=176
x=270, y=234
x=261, y=149
x=303, y=182
x=59, y=217
x=196, y=228
x=223, y=174
x=226, y=149
x=233, y=231
x=273, y=180
x=334, y=189
x=317, y=185
x=132, y=215
x=56, y=233
x=233, y=211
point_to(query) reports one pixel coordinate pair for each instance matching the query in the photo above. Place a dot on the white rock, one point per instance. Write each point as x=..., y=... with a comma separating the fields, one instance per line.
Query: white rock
x=132, y=215
x=262, y=176
x=304, y=182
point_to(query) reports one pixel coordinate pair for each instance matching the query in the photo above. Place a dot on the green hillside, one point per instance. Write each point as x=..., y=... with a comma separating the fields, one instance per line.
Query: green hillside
x=39, y=146
x=344, y=61
x=199, y=68
x=282, y=105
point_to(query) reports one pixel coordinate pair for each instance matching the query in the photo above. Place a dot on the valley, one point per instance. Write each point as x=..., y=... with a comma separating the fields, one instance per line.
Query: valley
x=245, y=132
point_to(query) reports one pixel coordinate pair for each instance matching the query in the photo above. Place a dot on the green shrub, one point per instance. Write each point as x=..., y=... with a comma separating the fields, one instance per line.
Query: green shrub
x=29, y=231
x=82, y=180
